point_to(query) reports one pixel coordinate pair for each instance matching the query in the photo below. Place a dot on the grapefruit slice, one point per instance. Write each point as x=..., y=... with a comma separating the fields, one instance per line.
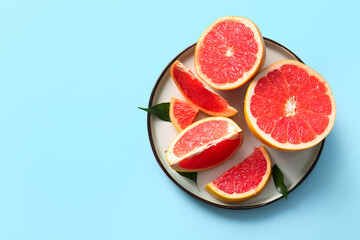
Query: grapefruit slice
x=204, y=144
x=198, y=93
x=243, y=181
x=289, y=106
x=229, y=53
x=182, y=113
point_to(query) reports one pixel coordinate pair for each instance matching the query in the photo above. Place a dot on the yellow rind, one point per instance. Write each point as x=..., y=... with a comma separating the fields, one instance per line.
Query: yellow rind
x=271, y=142
x=173, y=120
x=174, y=162
x=236, y=198
x=261, y=47
x=230, y=111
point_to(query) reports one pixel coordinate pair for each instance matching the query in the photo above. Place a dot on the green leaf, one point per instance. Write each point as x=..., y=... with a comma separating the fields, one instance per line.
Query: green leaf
x=190, y=175
x=279, y=181
x=160, y=110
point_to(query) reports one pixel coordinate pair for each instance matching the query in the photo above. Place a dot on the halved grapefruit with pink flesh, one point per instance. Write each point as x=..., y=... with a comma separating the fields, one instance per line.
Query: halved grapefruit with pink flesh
x=289, y=106
x=229, y=53
x=204, y=144
x=198, y=93
x=243, y=181
x=182, y=113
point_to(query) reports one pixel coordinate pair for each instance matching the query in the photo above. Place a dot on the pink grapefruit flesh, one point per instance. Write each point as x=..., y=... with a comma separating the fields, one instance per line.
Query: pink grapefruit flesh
x=204, y=144
x=229, y=53
x=289, y=106
x=243, y=181
x=182, y=113
x=198, y=93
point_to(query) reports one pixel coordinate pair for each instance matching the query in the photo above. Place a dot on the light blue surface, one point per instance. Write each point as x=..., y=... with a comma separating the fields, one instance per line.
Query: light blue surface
x=75, y=159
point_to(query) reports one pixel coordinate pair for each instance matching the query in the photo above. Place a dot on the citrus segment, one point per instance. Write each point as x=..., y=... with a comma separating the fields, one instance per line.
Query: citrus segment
x=204, y=144
x=290, y=106
x=229, y=53
x=182, y=113
x=243, y=181
x=197, y=93
x=211, y=157
x=199, y=135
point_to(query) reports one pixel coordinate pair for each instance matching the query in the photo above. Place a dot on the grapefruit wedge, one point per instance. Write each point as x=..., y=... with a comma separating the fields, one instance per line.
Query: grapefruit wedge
x=198, y=93
x=229, y=53
x=204, y=144
x=289, y=106
x=182, y=113
x=243, y=181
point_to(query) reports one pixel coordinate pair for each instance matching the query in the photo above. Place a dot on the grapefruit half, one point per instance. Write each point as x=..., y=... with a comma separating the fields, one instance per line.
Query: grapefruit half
x=182, y=113
x=243, y=181
x=198, y=93
x=229, y=53
x=289, y=106
x=204, y=144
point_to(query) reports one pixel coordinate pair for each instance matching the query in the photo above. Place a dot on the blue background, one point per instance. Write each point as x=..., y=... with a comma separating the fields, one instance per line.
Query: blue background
x=75, y=159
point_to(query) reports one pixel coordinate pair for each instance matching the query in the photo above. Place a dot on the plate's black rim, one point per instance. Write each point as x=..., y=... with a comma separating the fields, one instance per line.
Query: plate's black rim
x=184, y=189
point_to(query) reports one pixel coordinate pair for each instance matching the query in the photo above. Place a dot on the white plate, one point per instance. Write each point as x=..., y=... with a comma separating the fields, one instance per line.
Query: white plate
x=296, y=166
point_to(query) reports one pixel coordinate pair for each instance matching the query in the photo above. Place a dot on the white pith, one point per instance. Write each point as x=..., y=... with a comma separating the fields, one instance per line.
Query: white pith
x=290, y=106
x=233, y=133
x=229, y=52
x=260, y=56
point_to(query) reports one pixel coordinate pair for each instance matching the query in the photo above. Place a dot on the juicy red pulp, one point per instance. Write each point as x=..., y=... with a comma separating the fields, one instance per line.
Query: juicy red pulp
x=245, y=176
x=200, y=135
x=213, y=156
x=229, y=49
x=184, y=113
x=291, y=105
x=195, y=91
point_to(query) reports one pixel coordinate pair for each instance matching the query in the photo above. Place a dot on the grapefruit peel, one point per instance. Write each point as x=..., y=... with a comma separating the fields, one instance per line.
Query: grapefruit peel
x=240, y=197
x=230, y=52
x=181, y=118
x=199, y=93
x=267, y=139
x=234, y=132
